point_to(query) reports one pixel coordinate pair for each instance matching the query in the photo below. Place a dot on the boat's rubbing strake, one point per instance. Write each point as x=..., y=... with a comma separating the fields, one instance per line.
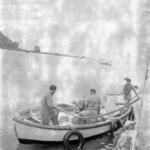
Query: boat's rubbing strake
x=68, y=127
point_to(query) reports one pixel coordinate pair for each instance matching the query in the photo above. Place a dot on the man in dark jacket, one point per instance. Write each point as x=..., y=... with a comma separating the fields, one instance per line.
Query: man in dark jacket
x=47, y=107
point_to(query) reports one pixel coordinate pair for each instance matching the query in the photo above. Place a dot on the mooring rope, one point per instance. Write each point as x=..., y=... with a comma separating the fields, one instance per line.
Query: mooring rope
x=102, y=115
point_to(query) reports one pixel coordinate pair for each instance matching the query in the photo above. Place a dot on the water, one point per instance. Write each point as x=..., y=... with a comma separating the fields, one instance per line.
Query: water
x=91, y=144
x=97, y=29
x=9, y=140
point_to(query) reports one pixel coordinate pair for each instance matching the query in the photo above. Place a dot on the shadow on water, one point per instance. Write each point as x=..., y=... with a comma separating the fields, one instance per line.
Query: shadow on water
x=94, y=143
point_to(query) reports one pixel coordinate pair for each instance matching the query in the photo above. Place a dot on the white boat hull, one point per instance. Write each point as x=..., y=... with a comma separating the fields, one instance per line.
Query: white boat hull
x=26, y=131
x=36, y=134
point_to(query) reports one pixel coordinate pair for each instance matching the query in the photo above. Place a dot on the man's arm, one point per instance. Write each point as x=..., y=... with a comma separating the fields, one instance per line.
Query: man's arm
x=134, y=90
x=52, y=105
x=49, y=101
x=123, y=90
x=99, y=104
x=120, y=103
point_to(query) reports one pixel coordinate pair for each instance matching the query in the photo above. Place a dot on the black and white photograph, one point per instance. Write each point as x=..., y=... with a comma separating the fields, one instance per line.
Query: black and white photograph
x=74, y=74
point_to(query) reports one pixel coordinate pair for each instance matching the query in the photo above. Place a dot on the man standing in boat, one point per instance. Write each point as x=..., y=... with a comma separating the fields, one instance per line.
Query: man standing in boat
x=128, y=87
x=48, y=112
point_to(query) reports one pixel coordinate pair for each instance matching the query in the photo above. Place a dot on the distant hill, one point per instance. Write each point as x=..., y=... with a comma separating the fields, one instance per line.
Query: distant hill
x=6, y=43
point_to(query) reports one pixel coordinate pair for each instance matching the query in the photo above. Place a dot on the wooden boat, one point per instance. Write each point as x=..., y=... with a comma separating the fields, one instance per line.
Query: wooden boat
x=27, y=129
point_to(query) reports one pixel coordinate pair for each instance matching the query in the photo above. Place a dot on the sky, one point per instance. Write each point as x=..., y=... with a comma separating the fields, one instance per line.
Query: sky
x=103, y=30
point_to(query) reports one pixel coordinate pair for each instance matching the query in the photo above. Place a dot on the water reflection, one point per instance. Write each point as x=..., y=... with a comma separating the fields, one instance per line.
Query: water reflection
x=39, y=147
x=94, y=143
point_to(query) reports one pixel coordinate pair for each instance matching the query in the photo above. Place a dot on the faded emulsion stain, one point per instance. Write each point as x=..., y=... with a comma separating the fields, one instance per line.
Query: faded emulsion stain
x=103, y=30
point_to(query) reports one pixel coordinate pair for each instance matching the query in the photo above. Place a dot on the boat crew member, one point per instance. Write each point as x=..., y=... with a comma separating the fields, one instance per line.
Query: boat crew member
x=48, y=113
x=93, y=102
x=91, y=108
x=128, y=87
x=80, y=105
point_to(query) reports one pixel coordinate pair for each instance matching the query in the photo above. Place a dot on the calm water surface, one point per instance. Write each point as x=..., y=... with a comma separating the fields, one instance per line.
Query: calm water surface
x=9, y=141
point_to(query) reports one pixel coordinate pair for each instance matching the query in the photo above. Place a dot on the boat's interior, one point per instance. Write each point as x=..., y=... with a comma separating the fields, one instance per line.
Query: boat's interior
x=65, y=118
x=108, y=113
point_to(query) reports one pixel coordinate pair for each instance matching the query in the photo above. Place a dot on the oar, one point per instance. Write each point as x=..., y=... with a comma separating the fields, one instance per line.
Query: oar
x=111, y=94
x=74, y=115
x=131, y=99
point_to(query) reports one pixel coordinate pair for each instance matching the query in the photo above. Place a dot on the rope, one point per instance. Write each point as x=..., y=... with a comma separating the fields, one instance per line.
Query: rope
x=98, y=115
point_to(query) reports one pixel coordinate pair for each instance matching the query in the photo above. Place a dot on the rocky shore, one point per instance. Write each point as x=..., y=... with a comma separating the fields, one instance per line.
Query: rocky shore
x=124, y=138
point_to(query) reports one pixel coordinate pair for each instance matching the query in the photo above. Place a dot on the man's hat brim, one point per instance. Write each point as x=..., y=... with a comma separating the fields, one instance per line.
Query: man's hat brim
x=127, y=79
x=52, y=87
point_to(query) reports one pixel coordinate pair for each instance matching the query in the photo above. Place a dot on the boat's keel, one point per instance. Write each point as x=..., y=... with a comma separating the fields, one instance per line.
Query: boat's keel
x=27, y=141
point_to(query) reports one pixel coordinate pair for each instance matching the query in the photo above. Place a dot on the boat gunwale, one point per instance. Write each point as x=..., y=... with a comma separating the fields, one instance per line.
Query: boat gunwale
x=68, y=127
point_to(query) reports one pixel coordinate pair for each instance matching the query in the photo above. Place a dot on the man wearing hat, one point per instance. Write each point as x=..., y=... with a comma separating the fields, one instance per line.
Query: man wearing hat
x=128, y=87
x=47, y=107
